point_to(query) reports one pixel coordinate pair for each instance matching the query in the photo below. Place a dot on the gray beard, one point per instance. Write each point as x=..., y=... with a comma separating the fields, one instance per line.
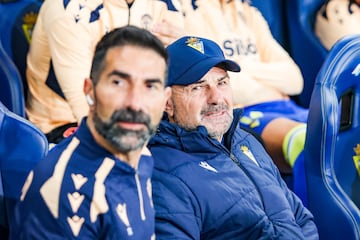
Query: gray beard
x=124, y=140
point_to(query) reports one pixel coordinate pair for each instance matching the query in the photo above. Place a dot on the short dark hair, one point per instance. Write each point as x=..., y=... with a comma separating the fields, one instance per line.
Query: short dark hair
x=124, y=36
x=353, y=1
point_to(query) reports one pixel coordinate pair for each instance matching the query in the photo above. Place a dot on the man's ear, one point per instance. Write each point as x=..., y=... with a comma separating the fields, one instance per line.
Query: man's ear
x=169, y=108
x=89, y=91
x=168, y=93
x=88, y=86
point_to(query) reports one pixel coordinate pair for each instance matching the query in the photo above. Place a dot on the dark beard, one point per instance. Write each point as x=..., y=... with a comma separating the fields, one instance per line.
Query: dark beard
x=125, y=140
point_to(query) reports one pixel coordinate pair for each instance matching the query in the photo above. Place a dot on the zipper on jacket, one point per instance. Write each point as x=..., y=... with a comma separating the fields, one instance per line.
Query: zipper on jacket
x=141, y=198
x=237, y=162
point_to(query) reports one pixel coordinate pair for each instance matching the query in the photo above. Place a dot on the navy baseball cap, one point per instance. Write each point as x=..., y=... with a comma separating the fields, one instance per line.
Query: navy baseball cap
x=190, y=58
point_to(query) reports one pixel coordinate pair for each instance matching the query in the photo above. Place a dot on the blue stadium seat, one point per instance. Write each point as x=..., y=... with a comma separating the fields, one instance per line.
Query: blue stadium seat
x=17, y=19
x=333, y=142
x=4, y=229
x=11, y=91
x=275, y=14
x=22, y=145
x=304, y=46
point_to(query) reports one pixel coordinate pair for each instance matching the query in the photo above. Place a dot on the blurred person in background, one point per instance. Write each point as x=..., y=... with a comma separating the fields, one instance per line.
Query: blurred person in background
x=62, y=46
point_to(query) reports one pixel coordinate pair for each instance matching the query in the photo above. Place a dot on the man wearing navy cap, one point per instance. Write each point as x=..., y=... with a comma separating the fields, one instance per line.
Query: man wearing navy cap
x=212, y=180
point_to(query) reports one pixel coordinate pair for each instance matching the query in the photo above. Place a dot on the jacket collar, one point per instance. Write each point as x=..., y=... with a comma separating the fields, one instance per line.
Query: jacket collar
x=196, y=141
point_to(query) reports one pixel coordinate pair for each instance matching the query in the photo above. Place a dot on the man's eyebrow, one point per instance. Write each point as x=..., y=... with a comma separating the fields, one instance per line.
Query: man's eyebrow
x=223, y=77
x=219, y=79
x=154, y=80
x=200, y=81
x=128, y=76
x=119, y=74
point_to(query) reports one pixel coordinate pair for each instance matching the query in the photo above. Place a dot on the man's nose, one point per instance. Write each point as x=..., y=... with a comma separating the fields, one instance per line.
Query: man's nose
x=214, y=95
x=134, y=99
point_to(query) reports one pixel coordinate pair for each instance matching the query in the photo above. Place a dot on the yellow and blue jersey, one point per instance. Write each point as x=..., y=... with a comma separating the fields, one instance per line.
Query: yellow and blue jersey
x=82, y=191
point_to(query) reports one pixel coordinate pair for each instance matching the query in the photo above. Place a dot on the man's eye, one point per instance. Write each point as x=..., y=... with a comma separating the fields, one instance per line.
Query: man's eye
x=224, y=82
x=118, y=82
x=196, y=88
x=152, y=85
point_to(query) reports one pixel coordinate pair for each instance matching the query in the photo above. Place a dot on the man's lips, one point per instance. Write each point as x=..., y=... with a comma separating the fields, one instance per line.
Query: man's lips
x=214, y=114
x=131, y=125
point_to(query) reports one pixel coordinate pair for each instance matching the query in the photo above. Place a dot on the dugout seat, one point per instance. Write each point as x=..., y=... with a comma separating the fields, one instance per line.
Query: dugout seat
x=304, y=47
x=11, y=91
x=332, y=147
x=17, y=20
x=4, y=230
x=22, y=145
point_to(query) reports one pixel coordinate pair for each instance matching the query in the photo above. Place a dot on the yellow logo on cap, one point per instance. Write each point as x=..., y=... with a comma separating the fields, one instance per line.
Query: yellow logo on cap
x=196, y=44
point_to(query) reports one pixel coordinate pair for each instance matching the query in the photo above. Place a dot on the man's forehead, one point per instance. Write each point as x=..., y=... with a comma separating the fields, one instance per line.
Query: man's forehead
x=135, y=66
